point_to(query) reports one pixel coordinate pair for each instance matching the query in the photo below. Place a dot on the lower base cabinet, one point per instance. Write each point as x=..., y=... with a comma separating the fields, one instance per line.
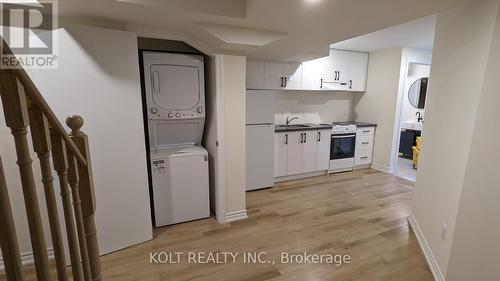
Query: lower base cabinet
x=364, y=146
x=301, y=152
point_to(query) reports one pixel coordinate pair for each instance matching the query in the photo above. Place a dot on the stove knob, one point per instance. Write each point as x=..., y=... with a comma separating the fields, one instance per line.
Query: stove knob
x=199, y=109
x=178, y=115
x=170, y=115
x=154, y=110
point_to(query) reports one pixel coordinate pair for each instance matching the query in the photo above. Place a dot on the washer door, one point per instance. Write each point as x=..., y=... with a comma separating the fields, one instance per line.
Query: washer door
x=175, y=87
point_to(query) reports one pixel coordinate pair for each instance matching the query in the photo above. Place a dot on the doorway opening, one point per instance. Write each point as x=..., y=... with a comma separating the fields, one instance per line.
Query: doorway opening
x=411, y=120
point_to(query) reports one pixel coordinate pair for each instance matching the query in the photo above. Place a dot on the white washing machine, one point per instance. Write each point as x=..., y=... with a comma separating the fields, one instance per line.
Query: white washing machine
x=175, y=100
x=180, y=184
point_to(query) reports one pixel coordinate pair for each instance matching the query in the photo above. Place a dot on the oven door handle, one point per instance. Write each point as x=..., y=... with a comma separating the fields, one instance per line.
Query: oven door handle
x=342, y=137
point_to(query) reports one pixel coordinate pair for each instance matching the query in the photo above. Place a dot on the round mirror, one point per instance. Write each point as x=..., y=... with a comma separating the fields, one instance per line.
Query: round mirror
x=418, y=92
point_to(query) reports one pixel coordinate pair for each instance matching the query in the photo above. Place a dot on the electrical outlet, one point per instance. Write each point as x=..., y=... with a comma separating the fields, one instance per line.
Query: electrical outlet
x=444, y=229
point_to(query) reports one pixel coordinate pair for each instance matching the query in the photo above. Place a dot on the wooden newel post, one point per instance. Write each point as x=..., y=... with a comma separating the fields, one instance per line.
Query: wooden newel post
x=86, y=191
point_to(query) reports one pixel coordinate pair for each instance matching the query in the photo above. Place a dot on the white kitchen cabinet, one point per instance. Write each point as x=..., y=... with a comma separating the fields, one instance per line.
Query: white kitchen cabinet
x=312, y=72
x=301, y=152
x=358, y=68
x=336, y=68
x=364, y=146
x=255, y=75
x=280, y=154
x=294, y=153
x=292, y=75
x=273, y=76
x=340, y=71
x=323, y=139
x=309, y=151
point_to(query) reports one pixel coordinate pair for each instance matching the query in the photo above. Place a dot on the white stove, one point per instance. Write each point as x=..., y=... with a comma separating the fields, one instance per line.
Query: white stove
x=339, y=128
x=342, y=147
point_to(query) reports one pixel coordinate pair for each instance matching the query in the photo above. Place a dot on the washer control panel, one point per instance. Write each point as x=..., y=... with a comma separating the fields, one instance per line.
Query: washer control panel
x=160, y=114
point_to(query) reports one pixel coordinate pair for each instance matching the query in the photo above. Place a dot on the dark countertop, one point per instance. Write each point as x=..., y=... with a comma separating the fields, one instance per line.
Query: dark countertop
x=304, y=127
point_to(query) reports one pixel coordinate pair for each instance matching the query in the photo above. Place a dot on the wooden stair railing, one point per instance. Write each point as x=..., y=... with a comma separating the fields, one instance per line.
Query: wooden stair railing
x=24, y=107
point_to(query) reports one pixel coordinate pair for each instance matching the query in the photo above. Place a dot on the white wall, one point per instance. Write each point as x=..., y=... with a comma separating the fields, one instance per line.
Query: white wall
x=379, y=104
x=314, y=106
x=99, y=81
x=415, y=72
x=462, y=42
x=475, y=253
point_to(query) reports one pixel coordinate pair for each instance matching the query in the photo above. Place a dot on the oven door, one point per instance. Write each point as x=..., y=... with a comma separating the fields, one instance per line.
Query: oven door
x=342, y=146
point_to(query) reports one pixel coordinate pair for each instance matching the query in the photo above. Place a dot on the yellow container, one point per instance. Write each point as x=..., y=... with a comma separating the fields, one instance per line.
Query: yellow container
x=419, y=142
x=416, y=153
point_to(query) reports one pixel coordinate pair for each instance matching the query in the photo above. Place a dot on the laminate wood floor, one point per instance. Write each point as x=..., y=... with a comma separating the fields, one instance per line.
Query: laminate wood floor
x=361, y=214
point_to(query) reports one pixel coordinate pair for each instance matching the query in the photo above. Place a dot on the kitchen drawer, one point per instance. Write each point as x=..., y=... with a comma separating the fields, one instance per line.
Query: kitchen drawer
x=364, y=142
x=365, y=131
x=363, y=157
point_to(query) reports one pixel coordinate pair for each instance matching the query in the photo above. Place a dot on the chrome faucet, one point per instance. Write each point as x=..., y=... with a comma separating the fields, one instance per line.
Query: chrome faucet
x=290, y=120
x=419, y=117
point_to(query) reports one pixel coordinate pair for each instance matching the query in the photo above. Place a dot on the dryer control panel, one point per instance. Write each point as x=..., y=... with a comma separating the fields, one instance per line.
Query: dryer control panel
x=174, y=86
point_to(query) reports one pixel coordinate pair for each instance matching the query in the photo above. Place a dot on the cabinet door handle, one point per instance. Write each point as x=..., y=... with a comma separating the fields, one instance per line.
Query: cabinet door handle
x=319, y=136
x=335, y=76
x=286, y=138
x=366, y=131
x=321, y=85
x=350, y=84
x=365, y=142
x=305, y=137
x=364, y=157
x=284, y=85
x=281, y=82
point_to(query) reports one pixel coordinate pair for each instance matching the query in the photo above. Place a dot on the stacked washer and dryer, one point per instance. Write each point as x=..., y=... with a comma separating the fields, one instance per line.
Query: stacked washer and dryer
x=175, y=99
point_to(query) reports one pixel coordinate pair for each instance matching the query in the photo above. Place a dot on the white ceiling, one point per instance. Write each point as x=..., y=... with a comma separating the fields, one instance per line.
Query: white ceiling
x=266, y=29
x=417, y=34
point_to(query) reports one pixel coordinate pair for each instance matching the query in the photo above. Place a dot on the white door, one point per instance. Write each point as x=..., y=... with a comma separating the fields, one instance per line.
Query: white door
x=309, y=152
x=311, y=74
x=323, y=150
x=357, y=71
x=259, y=156
x=294, y=153
x=280, y=154
x=255, y=75
x=292, y=74
x=273, y=76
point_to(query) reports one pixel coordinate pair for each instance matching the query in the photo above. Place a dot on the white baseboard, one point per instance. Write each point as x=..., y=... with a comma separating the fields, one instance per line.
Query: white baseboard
x=384, y=169
x=27, y=258
x=235, y=216
x=429, y=257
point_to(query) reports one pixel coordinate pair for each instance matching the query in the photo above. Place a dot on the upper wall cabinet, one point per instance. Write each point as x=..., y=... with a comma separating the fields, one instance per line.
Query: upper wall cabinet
x=358, y=67
x=274, y=76
x=312, y=72
x=340, y=71
x=255, y=75
x=336, y=67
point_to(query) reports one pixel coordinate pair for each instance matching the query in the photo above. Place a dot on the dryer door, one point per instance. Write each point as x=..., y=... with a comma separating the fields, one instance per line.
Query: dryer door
x=175, y=87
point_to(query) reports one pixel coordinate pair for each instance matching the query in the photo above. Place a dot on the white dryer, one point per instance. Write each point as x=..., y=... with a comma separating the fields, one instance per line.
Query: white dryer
x=175, y=98
x=180, y=184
